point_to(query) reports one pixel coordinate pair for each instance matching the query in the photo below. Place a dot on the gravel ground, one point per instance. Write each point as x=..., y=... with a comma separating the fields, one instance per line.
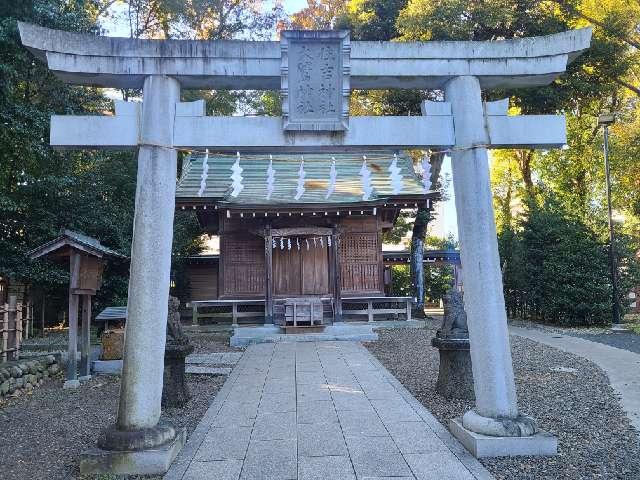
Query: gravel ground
x=595, y=437
x=43, y=434
x=212, y=342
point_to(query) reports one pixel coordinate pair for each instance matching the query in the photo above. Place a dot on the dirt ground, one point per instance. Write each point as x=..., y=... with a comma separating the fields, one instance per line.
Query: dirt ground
x=42, y=434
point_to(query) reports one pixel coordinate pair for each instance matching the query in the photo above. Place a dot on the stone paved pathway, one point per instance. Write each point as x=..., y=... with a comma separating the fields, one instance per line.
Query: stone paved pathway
x=325, y=410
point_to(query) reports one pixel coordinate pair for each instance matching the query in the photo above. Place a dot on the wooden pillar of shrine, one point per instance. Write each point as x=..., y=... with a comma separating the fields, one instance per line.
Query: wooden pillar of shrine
x=268, y=256
x=337, y=279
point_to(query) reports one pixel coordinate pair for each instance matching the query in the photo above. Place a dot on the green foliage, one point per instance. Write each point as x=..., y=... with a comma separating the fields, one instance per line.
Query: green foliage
x=437, y=279
x=556, y=269
x=401, y=284
x=42, y=190
x=372, y=19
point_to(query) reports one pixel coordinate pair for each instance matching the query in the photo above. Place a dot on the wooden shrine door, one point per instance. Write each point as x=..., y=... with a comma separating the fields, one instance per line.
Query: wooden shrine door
x=301, y=272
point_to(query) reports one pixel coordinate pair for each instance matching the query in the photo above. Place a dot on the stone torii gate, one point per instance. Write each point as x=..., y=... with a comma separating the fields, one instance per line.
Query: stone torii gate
x=315, y=72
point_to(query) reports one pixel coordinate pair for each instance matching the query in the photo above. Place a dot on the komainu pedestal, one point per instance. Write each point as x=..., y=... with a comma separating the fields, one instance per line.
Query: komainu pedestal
x=175, y=392
x=455, y=378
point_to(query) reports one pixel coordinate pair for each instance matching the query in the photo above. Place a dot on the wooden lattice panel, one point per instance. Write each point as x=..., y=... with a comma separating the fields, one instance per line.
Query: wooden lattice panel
x=361, y=262
x=243, y=265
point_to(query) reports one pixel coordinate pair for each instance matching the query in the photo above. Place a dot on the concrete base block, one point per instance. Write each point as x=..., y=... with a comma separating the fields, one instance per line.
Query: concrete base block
x=142, y=462
x=84, y=378
x=106, y=367
x=480, y=445
x=244, y=336
x=619, y=327
x=71, y=384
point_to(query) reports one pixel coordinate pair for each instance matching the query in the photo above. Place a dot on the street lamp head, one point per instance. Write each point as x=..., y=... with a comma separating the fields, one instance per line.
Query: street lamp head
x=606, y=119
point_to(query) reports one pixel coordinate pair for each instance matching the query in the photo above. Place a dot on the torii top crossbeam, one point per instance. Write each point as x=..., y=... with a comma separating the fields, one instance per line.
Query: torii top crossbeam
x=308, y=122
x=234, y=64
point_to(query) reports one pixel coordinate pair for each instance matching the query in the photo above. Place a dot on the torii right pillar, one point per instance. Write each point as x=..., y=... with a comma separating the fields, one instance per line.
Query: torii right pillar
x=494, y=427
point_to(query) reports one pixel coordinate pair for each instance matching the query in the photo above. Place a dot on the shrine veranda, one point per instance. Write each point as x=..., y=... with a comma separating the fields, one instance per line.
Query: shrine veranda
x=315, y=72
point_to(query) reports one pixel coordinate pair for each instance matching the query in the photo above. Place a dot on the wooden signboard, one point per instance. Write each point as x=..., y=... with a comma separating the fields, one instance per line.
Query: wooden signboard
x=89, y=275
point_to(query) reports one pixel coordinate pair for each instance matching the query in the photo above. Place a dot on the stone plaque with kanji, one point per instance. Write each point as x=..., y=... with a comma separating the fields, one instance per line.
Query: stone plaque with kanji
x=315, y=80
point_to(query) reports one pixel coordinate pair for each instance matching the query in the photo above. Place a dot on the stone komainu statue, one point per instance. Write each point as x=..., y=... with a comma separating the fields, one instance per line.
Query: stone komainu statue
x=455, y=378
x=174, y=391
x=454, y=324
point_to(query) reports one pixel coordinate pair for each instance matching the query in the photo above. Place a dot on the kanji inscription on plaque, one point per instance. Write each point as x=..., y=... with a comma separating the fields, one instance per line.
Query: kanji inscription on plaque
x=315, y=80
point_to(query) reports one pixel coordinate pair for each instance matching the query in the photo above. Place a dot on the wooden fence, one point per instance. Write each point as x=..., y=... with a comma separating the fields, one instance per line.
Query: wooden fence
x=16, y=323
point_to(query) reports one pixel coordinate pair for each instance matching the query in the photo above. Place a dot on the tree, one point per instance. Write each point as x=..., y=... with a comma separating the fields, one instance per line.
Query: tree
x=318, y=15
x=42, y=190
x=555, y=268
x=605, y=78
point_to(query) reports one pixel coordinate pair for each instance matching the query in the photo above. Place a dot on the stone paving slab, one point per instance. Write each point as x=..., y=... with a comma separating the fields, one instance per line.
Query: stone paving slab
x=319, y=411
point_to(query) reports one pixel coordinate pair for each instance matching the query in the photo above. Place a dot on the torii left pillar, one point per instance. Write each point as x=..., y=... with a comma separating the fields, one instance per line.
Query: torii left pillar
x=138, y=443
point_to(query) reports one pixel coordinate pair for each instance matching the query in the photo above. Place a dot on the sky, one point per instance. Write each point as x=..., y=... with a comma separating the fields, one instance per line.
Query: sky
x=445, y=223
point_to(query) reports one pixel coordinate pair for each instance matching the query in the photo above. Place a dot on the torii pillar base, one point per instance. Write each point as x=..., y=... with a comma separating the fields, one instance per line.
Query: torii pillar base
x=143, y=452
x=479, y=445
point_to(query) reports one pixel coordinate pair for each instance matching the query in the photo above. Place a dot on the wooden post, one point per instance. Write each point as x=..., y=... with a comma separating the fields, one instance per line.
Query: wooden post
x=194, y=313
x=337, y=282
x=72, y=373
x=11, y=329
x=408, y=309
x=268, y=256
x=5, y=332
x=295, y=314
x=27, y=320
x=234, y=314
x=42, y=314
x=85, y=342
x=19, y=329
x=370, y=311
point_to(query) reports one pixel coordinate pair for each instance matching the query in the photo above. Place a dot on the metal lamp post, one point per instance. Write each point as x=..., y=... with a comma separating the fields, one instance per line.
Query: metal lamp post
x=605, y=121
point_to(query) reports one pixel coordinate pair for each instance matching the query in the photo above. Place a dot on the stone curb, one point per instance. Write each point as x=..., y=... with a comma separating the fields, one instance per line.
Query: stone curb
x=468, y=460
x=188, y=453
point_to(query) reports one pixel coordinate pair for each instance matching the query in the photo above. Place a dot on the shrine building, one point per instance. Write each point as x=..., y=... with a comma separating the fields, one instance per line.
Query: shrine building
x=297, y=238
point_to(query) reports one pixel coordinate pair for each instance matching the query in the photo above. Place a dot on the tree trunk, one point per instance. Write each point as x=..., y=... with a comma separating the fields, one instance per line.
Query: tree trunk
x=417, y=258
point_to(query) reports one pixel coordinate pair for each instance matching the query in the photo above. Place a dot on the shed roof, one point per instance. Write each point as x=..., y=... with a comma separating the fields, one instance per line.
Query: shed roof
x=79, y=241
x=348, y=188
x=112, y=313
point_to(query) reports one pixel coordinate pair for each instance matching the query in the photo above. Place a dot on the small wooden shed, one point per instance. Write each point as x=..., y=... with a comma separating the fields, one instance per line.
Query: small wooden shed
x=86, y=257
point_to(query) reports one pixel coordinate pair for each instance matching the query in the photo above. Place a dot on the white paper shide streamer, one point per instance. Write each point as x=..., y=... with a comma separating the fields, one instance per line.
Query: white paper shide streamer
x=205, y=173
x=236, y=177
x=426, y=174
x=300, y=186
x=333, y=175
x=365, y=175
x=271, y=178
x=394, y=175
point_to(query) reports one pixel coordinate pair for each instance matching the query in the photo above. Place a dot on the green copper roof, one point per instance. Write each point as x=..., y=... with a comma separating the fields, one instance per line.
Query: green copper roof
x=348, y=187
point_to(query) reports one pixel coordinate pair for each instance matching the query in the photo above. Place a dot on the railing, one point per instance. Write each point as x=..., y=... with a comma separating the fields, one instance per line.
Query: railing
x=238, y=309
x=371, y=306
x=15, y=325
x=226, y=309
